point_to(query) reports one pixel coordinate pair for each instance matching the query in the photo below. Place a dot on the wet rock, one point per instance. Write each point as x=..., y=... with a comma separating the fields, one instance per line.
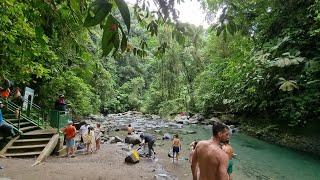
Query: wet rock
x=215, y=119
x=181, y=119
x=132, y=139
x=157, y=131
x=197, y=117
x=167, y=136
x=191, y=132
x=175, y=125
x=193, y=122
x=163, y=177
x=115, y=139
x=155, y=117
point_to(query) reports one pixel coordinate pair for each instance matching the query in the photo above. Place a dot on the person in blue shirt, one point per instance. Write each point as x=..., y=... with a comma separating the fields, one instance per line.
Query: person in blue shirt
x=4, y=127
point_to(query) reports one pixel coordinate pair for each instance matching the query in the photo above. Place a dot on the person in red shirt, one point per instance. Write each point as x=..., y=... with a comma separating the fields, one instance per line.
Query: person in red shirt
x=70, y=132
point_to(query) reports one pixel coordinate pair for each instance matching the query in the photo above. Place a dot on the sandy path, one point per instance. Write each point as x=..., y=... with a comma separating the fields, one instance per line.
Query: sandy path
x=107, y=164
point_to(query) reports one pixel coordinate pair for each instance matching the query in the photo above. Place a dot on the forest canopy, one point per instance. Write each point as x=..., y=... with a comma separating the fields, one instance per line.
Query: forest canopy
x=260, y=58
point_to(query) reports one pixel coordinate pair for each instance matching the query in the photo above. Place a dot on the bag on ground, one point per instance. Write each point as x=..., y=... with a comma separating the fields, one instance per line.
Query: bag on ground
x=132, y=157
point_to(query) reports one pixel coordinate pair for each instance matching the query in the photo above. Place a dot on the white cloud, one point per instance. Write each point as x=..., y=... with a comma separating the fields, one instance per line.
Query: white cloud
x=190, y=12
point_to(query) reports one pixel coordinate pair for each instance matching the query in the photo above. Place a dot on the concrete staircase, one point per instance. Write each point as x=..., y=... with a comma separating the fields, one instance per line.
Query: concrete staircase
x=25, y=125
x=36, y=138
x=29, y=144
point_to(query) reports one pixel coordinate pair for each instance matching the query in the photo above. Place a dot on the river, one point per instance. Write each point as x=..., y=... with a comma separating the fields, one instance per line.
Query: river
x=257, y=159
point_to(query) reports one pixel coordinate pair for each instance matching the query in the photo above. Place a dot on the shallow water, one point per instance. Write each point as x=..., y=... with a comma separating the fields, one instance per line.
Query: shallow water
x=257, y=159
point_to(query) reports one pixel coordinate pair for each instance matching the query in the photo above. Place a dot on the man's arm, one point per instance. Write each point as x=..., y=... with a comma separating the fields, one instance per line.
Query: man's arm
x=223, y=167
x=194, y=164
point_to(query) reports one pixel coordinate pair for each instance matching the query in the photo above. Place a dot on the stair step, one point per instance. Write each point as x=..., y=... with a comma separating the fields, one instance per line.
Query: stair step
x=22, y=154
x=28, y=128
x=28, y=146
x=22, y=123
x=40, y=132
x=33, y=140
x=12, y=120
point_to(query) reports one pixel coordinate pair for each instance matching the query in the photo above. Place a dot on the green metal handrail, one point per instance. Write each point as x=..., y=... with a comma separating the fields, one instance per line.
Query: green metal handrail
x=59, y=119
x=38, y=119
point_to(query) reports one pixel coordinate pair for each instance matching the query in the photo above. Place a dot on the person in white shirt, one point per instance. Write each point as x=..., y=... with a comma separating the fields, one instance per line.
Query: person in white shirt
x=83, y=130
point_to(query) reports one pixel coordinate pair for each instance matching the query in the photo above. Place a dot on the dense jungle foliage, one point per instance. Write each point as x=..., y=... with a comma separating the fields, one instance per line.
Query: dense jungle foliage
x=261, y=58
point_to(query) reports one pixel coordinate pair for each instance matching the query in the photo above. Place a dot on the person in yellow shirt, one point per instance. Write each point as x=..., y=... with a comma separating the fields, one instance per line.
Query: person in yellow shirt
x=89, y=140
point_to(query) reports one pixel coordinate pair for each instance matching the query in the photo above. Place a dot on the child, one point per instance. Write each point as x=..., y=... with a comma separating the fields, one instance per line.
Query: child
x=97, y=135
x=192, y=147
x=176, y=147
x=229, y=150
x=88, y=139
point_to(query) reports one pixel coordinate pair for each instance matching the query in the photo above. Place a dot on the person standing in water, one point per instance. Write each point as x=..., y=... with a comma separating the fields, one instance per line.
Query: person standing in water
x=229, y=150
x=176, y=147
x=211, y=165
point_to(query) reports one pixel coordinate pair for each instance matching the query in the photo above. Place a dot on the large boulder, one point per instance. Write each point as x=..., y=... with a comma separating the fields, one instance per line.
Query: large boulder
x=167, y=136
x=197, y=118
x=175, y=125
x=215, y=119
x=115, y=139
x=132, y=139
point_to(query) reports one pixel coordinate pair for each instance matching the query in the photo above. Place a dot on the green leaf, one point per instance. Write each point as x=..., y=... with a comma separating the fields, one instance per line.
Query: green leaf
x=219, y=30
x=124, y=10
x=232, y=28
x=124, y=40
x=116, y=42
x=97, y=12
x=110, y=31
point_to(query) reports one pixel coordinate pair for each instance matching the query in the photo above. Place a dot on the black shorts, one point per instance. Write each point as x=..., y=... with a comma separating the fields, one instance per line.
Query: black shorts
x=175, y=149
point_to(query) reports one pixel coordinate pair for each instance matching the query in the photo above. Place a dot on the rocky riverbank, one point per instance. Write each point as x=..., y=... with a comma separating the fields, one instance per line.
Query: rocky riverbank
x=297, y=142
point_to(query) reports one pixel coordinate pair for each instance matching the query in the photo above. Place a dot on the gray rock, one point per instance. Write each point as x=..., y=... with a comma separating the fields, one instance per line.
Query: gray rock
x=132, y=139
x=157, y=131
x=197, y=117
x=167, y=136
x=191, y=132
x=115, y=139
x=163, y=177
x=215, y=119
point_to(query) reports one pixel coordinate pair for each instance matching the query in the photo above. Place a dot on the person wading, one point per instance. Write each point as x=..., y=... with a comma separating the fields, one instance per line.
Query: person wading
x=210, y=158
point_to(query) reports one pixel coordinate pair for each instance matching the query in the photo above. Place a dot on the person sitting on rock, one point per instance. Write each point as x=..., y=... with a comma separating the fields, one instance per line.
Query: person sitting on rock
x=130, y=130
x=150, y=140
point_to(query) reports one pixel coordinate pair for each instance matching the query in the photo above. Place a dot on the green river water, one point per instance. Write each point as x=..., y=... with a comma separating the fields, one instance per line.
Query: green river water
x=257, y=159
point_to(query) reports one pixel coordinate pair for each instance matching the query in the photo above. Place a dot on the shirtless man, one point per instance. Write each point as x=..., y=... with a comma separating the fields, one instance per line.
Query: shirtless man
x=130, y=129
x=211, y=160
x=176, y=147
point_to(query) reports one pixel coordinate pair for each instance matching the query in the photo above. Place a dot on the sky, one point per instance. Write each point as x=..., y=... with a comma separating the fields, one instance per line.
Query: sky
x=190, y=12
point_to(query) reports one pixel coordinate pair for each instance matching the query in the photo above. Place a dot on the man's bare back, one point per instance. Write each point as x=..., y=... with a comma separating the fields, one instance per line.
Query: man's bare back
x=176, y=142
x=211, y=160
x=130, y=130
